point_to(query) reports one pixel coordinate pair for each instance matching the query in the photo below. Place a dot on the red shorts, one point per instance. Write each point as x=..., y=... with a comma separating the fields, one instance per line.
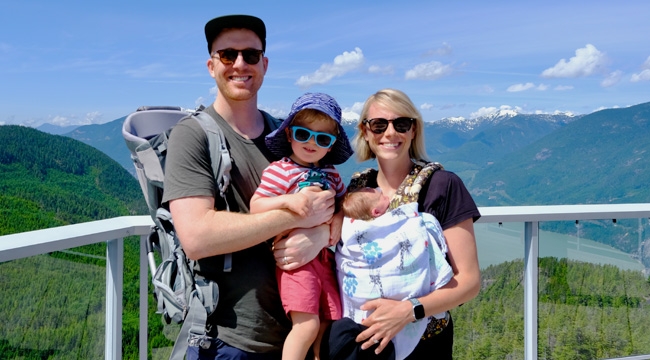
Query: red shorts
x=312, y=288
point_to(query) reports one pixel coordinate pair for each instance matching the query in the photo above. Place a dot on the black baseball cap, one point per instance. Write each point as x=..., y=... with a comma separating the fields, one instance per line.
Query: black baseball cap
x=215, y=26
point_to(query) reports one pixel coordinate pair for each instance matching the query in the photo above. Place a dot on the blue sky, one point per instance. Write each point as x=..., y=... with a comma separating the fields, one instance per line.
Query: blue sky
x=80, y=62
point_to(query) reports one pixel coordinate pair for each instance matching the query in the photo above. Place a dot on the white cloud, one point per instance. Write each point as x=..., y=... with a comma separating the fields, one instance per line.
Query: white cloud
x=426, y=106
x=199, y=101
x=486, y=90
x=563, y=88
x=277, y=113
x=356, y=107
x=444, y=50
x=94, y=117
x=526, y=86
x=60, y=121
x=606, y=107
x=644, y=75
x=612, y=79
x=503, y=109
x=520, y=87
x=385, y=70
x=344, y=63
x=646, y=64
x=429, y=71
x=349, y=117
x=351, y=114
x=588, y=60
x=483, y=112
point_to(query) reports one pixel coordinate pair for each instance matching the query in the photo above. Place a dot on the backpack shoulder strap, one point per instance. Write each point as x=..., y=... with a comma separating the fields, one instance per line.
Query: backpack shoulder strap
x=219, y=154
x=360, y=179
x=221, y=163
x=409, y=189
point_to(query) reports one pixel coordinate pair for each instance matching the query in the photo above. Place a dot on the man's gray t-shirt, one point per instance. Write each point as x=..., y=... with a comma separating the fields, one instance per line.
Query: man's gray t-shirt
x=249, y=315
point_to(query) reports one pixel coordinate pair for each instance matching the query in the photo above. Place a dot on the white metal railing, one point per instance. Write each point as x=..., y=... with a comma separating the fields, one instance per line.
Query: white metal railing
x=531, y=217
x=112, y=231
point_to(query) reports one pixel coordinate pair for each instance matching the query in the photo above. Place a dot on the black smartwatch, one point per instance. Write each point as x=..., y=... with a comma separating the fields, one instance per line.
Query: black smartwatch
x=418, y=309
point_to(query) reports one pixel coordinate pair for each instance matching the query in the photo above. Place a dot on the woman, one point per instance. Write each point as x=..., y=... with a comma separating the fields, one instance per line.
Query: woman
x=391, y=130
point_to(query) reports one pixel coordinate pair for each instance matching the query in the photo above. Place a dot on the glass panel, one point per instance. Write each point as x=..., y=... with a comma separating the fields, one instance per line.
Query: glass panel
x=491, y=325
x=593, y=290
x=52, y=306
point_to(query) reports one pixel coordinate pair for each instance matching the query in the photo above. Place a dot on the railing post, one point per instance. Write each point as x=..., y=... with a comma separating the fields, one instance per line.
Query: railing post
x=144, y=297
x=531, y=248
x=114, y=287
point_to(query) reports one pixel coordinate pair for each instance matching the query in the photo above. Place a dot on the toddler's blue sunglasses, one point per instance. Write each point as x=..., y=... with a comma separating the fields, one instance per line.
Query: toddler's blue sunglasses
x=322, y=139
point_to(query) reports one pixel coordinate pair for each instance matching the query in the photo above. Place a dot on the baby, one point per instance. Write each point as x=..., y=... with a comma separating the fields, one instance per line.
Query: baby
x=397, y=254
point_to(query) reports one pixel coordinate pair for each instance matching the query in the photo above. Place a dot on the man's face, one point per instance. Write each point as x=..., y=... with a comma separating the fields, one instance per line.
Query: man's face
x=237, y=81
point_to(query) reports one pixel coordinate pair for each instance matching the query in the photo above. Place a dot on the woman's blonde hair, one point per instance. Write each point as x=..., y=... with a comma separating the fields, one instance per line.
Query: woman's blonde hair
x=398, y=102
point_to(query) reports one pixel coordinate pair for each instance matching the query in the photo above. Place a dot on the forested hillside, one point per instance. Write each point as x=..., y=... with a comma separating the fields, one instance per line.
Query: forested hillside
x=52, y=305
x=600, y=158
x=48, y=180
x=585, y=312
x=107, y=138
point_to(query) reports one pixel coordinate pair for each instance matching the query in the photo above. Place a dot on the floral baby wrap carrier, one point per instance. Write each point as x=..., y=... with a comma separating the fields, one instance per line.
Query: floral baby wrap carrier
x=398, y=255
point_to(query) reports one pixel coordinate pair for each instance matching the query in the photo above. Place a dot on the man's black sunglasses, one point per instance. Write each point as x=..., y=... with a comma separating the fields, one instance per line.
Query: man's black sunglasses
x=229, y=56
x=379, y=125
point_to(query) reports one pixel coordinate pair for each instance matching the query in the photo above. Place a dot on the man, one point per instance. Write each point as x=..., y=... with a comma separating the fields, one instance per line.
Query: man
x=249, y=320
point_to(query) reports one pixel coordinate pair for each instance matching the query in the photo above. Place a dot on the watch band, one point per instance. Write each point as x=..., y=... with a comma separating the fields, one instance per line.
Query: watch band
x=418, y=309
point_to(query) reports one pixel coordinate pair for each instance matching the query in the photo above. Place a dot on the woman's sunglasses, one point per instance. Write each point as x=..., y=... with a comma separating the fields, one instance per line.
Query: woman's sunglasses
x=379, y=125
x=302, y=135
x=229, y=56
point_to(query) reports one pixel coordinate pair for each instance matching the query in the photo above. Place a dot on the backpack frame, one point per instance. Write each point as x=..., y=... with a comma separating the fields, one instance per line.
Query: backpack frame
x=182, y=296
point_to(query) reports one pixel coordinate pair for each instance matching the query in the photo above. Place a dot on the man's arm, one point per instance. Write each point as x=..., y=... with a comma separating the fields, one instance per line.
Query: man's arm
x=204, y=231
x=298, y=203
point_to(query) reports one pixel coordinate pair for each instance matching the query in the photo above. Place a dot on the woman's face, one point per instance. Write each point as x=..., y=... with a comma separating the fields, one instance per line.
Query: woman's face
x=389, y=145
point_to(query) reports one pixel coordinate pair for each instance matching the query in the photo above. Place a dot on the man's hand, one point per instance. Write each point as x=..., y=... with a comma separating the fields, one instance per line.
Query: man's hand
x=300, y=246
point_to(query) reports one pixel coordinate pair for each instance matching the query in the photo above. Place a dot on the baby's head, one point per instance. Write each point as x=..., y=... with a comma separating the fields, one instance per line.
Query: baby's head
x=365, y=203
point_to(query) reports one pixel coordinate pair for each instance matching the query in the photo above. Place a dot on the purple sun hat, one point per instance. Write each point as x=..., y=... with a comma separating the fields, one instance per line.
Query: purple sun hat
x=341, y=150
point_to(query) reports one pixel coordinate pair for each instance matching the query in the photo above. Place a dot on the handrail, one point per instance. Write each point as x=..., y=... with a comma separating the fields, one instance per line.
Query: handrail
x=37, y=242
x=21, y=245
x=539, y=213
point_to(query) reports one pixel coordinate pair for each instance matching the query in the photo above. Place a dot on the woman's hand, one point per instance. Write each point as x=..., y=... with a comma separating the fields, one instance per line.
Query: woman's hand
x=300, y=246
x=387, y=318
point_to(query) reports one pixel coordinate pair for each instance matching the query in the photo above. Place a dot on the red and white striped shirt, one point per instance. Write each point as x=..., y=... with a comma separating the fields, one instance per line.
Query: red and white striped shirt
x=284, y=176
